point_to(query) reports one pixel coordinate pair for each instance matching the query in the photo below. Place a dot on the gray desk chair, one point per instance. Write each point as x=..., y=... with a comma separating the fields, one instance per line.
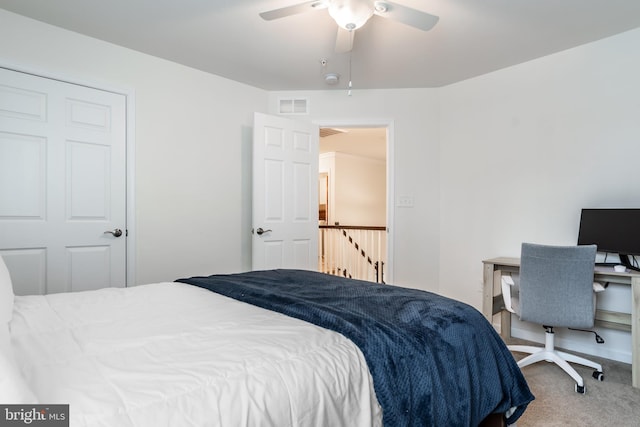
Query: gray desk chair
x=555, y=289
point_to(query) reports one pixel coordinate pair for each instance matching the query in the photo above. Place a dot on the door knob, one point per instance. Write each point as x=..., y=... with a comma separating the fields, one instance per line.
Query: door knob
x=116, y=233
x=260, y=231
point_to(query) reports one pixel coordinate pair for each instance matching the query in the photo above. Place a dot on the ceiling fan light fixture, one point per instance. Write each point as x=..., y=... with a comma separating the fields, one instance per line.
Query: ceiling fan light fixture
x=351, y=14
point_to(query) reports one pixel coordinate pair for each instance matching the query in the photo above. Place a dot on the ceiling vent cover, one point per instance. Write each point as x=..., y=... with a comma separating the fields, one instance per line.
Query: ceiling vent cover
x=294, y=106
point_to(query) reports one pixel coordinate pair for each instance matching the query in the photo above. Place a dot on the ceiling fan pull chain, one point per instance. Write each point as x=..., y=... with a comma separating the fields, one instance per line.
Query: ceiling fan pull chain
x=350, y=85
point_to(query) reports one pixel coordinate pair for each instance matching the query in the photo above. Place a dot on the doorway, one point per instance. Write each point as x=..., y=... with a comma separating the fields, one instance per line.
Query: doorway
x=354, y=236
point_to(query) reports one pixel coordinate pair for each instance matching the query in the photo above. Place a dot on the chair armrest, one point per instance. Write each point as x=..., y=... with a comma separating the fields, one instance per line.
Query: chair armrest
x=507, y=283
x=598, y=287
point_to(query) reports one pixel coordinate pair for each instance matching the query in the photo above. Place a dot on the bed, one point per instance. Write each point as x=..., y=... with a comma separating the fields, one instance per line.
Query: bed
x=203, y=351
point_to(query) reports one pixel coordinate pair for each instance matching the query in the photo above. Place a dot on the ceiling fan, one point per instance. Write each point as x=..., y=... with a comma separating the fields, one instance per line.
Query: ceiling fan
x=353, y=14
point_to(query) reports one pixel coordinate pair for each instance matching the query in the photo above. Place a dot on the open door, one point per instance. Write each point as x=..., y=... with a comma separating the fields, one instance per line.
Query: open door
x=285, y=194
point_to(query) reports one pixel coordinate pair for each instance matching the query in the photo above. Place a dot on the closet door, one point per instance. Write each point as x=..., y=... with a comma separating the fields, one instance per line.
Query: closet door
x=62, y=185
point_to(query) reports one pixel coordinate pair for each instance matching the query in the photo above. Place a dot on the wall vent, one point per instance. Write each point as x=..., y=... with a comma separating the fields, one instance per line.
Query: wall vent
x=294, y=106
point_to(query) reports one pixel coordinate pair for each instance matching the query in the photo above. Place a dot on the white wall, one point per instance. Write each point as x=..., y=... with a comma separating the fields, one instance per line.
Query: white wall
x=360, y=190
x=192, y=142
x=357, y=194
x=525, y=148
x=414, y=113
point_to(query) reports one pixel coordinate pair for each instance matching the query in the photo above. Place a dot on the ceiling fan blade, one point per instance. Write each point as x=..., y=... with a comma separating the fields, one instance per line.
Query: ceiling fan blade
x=307, y=6
x=344, y=40
x=406, y=15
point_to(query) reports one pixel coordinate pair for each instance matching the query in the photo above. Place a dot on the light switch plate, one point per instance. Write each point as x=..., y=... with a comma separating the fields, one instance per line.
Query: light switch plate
x=405, y=201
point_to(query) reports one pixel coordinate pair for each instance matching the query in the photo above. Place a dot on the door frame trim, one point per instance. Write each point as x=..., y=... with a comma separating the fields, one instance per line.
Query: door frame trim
x=388, y=124
x=129, y=94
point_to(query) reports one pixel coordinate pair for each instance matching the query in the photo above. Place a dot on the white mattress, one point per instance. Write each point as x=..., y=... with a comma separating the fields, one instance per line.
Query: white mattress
x=171, y=354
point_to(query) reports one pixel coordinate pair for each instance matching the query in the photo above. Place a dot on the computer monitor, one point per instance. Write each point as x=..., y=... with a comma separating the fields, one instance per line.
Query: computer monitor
x=613, y=231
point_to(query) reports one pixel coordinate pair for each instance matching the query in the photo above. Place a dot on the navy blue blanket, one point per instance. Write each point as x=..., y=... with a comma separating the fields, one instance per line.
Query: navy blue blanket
x=434, y=361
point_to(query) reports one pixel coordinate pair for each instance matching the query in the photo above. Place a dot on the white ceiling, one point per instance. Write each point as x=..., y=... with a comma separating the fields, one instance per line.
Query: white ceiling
x=228, y=38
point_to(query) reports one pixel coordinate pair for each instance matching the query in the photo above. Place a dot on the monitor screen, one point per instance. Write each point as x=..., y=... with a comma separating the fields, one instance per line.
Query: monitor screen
x=612, y=230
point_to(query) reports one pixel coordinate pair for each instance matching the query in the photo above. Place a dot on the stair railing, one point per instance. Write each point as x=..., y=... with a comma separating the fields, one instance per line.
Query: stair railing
x=357, y=252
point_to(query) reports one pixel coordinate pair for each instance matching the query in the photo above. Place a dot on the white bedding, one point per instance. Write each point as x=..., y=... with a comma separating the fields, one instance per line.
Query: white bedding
x=171, y=354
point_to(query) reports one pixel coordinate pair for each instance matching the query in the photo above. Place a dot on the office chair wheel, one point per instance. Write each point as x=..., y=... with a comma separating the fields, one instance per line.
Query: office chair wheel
x=581, y=389
x=598, y=375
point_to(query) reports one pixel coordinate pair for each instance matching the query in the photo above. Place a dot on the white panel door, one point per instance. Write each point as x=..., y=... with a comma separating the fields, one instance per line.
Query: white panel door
x=62, y=185
x=285, y=194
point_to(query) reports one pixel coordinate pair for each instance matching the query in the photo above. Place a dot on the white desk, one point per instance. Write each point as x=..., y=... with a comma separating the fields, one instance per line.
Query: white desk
x=492, y=303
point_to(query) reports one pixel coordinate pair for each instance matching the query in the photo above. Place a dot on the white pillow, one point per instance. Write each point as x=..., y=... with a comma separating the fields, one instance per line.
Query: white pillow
x=6, y=294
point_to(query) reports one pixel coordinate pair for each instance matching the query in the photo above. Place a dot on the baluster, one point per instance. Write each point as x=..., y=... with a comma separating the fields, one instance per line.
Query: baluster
x=322, y=249
x=357, y=254
x=336, y=252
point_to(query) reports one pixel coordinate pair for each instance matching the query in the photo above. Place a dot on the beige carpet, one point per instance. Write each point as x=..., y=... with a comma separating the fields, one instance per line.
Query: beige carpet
x=612, y=402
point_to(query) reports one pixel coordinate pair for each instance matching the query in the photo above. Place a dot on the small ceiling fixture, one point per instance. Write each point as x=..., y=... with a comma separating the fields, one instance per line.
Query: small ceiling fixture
x=332, y=78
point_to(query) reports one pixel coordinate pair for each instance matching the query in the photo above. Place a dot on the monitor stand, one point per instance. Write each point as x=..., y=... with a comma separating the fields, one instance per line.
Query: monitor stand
x=626, y=261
